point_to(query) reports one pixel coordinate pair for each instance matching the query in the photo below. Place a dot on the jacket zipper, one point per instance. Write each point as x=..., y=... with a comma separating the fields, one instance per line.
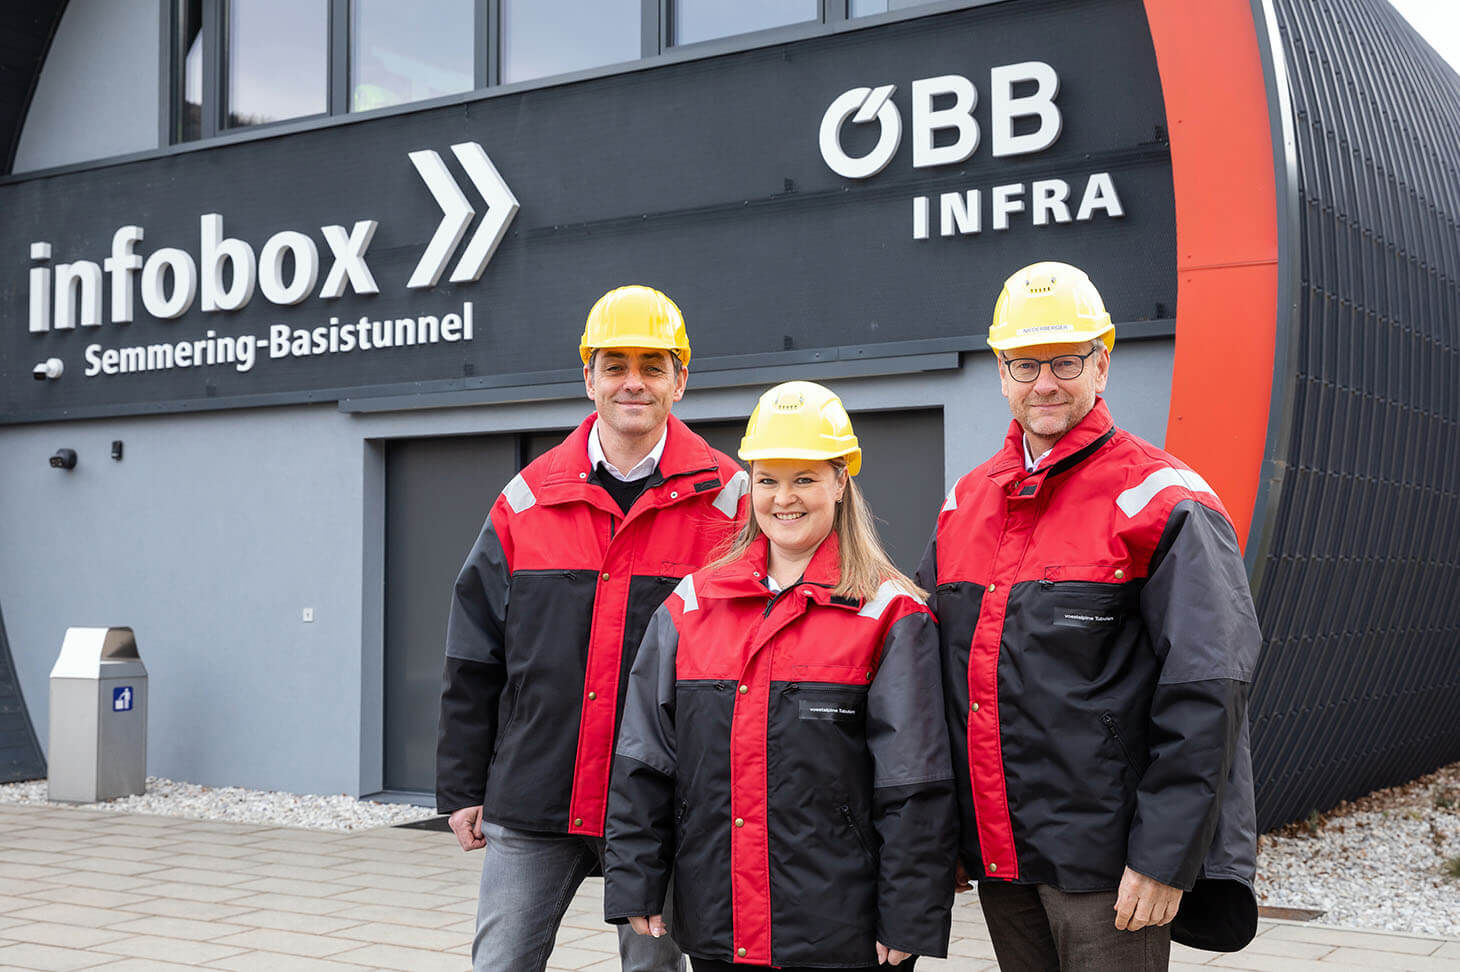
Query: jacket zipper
x=683, y=809
x=856, y=831
x=773, y=599
x=1109, y=721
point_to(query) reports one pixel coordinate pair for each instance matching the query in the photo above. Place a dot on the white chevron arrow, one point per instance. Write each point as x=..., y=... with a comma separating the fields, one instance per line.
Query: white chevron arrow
x=457, y=213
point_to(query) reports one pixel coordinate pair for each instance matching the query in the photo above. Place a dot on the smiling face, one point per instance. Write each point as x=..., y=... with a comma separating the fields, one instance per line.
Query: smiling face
x=795, y=505
x=633, y=390
x=1048, y=407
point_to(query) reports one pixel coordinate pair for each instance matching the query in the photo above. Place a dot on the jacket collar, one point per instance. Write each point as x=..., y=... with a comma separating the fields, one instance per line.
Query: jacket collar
x=685, y=453
x=1073, y=448
x=746, y=575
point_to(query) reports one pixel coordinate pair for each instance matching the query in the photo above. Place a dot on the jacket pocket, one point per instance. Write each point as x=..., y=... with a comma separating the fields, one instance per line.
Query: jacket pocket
x=846, y=811
x=1112, y=727
x=506, y=727
x=1083, y=626
x=1090, y=607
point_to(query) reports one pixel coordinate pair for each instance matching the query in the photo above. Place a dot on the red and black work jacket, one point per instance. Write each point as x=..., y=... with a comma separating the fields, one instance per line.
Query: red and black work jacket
x=1098, y=642
x=546, y=616
x=784, y=756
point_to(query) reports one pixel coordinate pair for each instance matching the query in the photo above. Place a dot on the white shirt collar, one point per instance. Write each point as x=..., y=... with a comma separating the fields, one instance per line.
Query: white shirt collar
x=1031, y=463
x=645, y=466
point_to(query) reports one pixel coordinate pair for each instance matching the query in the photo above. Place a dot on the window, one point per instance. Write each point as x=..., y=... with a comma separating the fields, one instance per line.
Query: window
x=399, y=53
x=865, y=8
x=239, y=63
x=188, y=125
x=699, y=20
x=277, y=55
x=543, y=37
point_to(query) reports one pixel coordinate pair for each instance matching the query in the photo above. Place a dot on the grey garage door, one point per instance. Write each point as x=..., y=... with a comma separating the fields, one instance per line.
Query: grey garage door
x=438, y=493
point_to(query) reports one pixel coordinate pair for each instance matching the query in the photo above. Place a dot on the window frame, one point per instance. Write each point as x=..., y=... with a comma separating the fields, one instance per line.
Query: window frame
x=655, y=49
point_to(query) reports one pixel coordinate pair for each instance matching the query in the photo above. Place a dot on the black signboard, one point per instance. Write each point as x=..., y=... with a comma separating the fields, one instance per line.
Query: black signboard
x=705, y=178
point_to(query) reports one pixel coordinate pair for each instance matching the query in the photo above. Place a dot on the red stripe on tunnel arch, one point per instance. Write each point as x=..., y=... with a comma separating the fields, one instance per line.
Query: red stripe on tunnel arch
x=1226, y=239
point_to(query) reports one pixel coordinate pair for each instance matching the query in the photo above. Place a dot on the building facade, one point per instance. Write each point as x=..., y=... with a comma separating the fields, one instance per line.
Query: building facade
x=301, y=284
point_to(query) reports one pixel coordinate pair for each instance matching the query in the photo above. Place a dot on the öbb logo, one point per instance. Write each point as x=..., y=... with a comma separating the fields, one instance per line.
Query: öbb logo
x=865, y=105
x=1034, y=113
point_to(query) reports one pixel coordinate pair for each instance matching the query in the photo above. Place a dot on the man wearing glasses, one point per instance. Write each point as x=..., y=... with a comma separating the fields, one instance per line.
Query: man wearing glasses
x=1098, y=642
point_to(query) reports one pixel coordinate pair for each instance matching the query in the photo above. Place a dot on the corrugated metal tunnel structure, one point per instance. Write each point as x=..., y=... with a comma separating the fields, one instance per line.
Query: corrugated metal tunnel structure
x=1355, y=551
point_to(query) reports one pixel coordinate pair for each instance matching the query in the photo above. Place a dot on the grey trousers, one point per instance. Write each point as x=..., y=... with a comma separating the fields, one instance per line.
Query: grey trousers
x=1037, y=928
x=528, y=881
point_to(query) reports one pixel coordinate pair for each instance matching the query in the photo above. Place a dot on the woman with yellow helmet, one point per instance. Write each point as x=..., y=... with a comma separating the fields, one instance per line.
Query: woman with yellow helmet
x=783, y=754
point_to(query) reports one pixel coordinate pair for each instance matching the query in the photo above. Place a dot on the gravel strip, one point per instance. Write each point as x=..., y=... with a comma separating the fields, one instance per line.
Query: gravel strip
x=1382, y=862
x=168, y=798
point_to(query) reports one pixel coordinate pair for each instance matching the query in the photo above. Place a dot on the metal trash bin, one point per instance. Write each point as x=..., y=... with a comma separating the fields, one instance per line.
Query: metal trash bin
x=98, y=742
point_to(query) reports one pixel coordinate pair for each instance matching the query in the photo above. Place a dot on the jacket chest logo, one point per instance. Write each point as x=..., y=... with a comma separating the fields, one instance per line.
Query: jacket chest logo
x=1078, y=618
x=832, y=710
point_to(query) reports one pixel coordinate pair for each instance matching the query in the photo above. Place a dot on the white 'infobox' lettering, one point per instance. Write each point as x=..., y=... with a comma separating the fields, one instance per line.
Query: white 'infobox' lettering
x=225, y=275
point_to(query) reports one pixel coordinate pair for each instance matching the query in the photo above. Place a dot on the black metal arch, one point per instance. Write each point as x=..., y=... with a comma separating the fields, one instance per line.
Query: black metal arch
x=20, y=751
x=1358, y=583
x=27, y=29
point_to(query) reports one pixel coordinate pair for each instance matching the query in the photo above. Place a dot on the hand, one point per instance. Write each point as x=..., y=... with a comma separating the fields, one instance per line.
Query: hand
x=1144, y=902
x=652, y=925
x=466, y=824
x=891, y=956
x=961, y=881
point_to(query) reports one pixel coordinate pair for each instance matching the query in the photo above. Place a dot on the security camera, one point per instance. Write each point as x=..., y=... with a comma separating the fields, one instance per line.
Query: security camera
x=64, y=459
x=49, y=368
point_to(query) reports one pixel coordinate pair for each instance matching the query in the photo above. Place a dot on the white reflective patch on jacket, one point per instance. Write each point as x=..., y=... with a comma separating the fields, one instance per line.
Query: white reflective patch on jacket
x=686, y=592
x=886, y=594
x=951, y=503
x=1135, y=499
x=519, y=495
x=728, y=502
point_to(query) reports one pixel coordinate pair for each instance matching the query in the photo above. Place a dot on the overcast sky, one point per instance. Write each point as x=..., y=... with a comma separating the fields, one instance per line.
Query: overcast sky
x=1438, y=21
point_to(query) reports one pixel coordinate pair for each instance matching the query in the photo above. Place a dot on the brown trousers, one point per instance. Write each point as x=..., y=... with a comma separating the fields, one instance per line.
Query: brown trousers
x=1037, y=928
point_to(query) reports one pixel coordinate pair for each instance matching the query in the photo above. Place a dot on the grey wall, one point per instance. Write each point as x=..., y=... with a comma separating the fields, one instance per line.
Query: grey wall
x=208, y=538
x=98, y=93
x=217, y=529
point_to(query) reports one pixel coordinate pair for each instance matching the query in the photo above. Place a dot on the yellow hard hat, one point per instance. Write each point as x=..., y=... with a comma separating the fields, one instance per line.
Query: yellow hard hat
x=801, y=420
x=1049, y=303
x=635, y=317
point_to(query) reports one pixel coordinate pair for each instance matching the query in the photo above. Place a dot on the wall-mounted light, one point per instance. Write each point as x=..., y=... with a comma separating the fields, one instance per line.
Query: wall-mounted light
x=64, y=459
x=49, y=368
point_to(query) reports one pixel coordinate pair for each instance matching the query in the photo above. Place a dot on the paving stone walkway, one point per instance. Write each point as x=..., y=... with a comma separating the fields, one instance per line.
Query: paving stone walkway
x=89, y=889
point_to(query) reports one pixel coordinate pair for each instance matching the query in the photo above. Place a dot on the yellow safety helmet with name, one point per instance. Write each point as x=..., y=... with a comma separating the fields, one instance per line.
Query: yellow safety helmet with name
x=635, y=317
x=801, y=420
x=1049, y=303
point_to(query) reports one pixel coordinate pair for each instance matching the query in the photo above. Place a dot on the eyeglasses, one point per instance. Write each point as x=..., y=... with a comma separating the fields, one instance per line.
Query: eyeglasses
x=1063, y=367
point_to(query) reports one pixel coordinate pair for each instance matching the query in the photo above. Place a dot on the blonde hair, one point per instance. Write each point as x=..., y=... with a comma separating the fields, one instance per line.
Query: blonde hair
x=863, y=562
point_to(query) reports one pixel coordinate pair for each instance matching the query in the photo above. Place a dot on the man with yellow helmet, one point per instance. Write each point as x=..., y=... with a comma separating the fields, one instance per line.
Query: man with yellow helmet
x=1098, y=639
x=547, y=614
